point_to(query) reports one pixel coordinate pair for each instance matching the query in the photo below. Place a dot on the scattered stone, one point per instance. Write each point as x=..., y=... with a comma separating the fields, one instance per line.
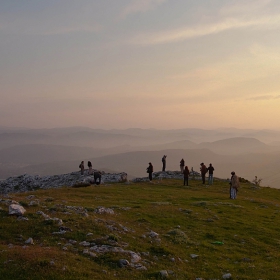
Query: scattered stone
x=153, y=234
x=103, y=210
x=194, y=256
x=227, y=276
x=123, y=263
x=21, y=218
x=29, y=241
x=163, y=274
x=84, y=243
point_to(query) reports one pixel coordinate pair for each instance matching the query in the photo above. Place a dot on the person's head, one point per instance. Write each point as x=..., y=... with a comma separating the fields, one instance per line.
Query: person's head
x=82, y=161
x=232, y=173
x=150, y=163
x=210, y=164
x=202, y=164
x=186, y=168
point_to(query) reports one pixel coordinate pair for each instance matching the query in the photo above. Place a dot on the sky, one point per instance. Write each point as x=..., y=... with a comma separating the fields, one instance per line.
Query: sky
x=140, y=63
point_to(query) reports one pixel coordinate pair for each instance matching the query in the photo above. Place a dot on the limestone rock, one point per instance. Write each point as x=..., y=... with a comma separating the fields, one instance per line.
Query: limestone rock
x=15, y=209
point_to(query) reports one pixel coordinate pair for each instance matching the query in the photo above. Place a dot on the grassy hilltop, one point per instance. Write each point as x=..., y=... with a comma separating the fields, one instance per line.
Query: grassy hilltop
x=240, y=237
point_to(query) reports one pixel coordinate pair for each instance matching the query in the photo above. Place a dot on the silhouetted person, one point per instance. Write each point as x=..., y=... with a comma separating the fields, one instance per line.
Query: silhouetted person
x=97, y=177
x=186, y=176
x=150, y=170
x=89, y=168
x=182, y=164
x=163, y=162
x=210, y=174
x=234, y=185
x=82, y=167
x=203, y=170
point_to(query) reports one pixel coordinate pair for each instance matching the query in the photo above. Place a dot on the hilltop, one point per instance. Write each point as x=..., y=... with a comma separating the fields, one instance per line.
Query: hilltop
x=142, y=231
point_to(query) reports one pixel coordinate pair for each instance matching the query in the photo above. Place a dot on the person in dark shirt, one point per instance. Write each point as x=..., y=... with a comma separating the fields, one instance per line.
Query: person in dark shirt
x=182, y=164
x=203, y=170
x=210, y=174
x=186, y=176
x=150, y=170
x=163, y=162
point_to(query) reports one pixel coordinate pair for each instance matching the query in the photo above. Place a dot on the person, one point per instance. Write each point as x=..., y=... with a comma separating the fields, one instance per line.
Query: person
x=97, y=177
x=89, y=168
x=234, y=185
x=163, y=162
x=186, y=175
x=82, y=167
x=182, y=164
x=210, y=174
x=203, y=170
x=150, y=170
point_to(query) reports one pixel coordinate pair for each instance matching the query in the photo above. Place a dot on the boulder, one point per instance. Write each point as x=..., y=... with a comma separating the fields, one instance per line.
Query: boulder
x=16, y=209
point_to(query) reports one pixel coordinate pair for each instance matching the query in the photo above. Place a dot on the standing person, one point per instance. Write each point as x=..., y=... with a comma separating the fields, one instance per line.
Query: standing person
x=182, y=164
x=163, y=162
x=89, y=168
x=150, y=170
x=234, y=185
x=186, y=175
x=82, y=166
x=210, y=174
x=203, y=170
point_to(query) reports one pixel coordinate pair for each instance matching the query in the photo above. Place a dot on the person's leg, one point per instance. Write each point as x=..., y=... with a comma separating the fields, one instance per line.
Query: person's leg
x=187, y=179
x=203, y=178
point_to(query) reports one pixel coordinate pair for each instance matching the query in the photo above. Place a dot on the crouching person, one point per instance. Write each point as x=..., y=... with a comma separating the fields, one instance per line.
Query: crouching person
x=97, y=177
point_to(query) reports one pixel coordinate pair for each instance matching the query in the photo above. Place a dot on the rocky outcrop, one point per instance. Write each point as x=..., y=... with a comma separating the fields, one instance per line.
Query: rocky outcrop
x=168, y=175
x=26, y=182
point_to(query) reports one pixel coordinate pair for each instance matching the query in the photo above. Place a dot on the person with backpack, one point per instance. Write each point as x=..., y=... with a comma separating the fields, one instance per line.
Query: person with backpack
x=186, y=173
x=210, y=174
x=82, y=167
x=150, y=170
x=234, y=185
x=182, y=164
x=203, y=170
x=163, y=162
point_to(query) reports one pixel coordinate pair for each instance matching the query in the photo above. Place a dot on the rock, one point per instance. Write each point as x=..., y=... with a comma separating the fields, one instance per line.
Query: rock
x=21, y=218
x=15, y=209
x=29, y=241
x=103, y=210
x=163, y=274
x=123, y=263
x=135, y=258
x=194, y=256
x=24, y=183
x=153, y=234
x=227, y=276
x=84, y=243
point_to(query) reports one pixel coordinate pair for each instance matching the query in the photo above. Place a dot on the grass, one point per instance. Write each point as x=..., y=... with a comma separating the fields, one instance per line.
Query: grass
x=240, y=236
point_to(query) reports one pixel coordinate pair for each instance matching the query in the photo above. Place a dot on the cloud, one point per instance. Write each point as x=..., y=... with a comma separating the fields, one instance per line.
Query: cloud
x=140, y=6
x=204, y=30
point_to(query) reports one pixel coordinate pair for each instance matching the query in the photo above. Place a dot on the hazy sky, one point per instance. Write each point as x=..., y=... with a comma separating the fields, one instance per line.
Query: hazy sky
x=140, y=63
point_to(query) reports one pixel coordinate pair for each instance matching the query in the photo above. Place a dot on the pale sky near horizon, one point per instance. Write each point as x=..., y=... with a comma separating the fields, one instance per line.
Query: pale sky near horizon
x=140, y=63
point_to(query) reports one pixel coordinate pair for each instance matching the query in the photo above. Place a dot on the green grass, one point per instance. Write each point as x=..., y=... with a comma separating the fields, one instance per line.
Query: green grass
x=189, y=220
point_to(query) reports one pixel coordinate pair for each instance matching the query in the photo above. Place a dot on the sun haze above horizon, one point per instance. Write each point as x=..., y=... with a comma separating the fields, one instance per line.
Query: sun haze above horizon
x=140, y=63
